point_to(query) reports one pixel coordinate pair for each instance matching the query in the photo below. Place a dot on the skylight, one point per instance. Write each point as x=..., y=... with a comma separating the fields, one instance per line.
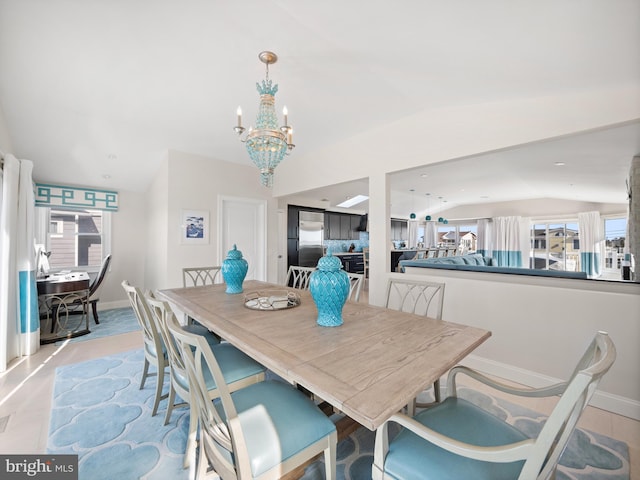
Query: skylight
x=350, y=202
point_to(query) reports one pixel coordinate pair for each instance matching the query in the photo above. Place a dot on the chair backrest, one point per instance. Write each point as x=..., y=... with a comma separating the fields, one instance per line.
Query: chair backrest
x=575, y=395
x=298, y=277
x=432, y=253
x=355, y=285
x=365, y=258
x=104, y=268
x=199, y=276
x=218, y=435
x=418, y=297
x=150, y=334
x=162, y=316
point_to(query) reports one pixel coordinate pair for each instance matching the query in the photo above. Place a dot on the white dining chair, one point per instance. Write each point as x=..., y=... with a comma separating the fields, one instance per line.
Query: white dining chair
x=298, y=277
x=356, y=280
x=420, y=298
x=262, y=431
x=458, y=439
x=199, y=276
x=238, y=369
x=154, y=351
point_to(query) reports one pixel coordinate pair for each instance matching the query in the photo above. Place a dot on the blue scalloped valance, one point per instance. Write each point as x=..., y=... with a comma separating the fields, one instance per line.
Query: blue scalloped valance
x=75, y=197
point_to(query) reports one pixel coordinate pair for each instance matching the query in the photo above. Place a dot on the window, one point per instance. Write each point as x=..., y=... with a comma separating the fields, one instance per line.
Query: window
x=463, y=237
x=614, y=233
x=555, y=246
x=75, y=238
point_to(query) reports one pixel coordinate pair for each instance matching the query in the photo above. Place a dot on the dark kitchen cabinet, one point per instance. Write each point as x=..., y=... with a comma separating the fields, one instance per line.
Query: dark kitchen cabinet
x=352, y=263
x=341, y=226
x=355, y=224
x=292, y=222
x=345, y=227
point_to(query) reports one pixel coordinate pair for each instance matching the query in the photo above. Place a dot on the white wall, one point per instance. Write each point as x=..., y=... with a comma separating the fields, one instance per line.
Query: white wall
x=157, y=205
x=128, y=231
x=456, y=132
x=194, y=182
x=536, y=208
x=540, y=327
x=5, y=139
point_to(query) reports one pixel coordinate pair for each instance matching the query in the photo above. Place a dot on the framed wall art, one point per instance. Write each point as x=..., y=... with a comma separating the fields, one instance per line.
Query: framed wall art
x=194, y=227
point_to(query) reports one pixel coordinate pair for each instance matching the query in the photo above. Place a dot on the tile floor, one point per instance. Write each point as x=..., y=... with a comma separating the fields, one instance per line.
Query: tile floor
x=26, y=391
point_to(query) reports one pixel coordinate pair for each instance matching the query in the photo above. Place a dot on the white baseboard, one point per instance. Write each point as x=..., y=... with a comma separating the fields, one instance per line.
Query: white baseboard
x=606, y=401
x=109, y=305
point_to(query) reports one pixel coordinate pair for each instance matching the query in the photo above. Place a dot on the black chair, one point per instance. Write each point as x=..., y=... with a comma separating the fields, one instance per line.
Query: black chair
x=95, y=286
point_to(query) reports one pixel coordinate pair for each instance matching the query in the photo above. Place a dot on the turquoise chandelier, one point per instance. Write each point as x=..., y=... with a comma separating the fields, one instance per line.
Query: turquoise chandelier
x=267, y=144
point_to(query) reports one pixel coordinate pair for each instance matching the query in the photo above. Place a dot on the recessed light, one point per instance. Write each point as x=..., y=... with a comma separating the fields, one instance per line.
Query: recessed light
x=559, y=164
x=106, y=176
x=424, y=175
x=112, y=156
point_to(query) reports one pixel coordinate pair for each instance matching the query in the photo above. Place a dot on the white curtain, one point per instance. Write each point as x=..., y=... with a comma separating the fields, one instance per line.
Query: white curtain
x=592, y=242
x=510, y=241
x=430, y=234
x=412, y=226
x=19, y=321
x=483, y=237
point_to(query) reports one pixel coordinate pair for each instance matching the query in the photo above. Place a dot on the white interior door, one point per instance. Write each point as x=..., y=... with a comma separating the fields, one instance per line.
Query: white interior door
x=243, y=222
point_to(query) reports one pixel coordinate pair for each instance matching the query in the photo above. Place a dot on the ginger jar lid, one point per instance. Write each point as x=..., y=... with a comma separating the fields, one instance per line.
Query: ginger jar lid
x=329, y=263
x=234, y=253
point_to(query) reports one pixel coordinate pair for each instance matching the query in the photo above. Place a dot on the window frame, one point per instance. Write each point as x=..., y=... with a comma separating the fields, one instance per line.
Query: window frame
x=43, y=221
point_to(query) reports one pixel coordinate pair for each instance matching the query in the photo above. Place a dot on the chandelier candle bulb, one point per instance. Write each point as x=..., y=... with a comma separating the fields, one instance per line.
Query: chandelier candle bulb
x=285, y=112
x=239, y=112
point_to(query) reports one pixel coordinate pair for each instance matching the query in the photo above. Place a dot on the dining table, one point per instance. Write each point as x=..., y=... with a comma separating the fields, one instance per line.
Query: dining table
x=368, y=368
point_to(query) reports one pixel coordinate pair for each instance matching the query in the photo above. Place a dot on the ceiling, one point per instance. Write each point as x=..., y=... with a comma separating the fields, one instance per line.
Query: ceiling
x=98, y=90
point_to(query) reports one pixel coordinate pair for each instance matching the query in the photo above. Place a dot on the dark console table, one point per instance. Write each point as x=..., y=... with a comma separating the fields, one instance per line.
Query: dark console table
x=64, y=310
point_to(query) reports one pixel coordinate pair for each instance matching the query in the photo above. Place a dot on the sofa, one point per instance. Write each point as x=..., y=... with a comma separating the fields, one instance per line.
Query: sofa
x=479, y=263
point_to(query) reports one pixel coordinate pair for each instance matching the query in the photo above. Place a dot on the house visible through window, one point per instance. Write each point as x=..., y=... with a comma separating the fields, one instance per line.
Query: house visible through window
x=555, y=246
x=76, y=238
x=615, y=230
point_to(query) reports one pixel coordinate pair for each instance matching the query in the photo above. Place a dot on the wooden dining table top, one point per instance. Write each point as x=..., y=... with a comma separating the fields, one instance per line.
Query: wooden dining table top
x=369, y=367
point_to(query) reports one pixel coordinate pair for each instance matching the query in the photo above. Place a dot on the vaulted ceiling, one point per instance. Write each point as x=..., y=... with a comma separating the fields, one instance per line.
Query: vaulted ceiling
x=97, y=91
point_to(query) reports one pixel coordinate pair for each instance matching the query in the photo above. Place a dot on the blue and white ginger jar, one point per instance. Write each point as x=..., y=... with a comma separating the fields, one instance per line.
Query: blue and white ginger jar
x=329, y=286
x=234, y=269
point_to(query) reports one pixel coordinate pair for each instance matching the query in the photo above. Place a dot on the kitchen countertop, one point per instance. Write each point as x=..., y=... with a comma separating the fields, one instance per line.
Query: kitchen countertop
x=341, y=254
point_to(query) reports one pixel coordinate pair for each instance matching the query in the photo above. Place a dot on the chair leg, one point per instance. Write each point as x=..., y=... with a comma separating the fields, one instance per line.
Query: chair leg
x=170, y=401
x=190, y=451
x=159, y=385
x=145, y=373
x=94, y=309
x=330, y=458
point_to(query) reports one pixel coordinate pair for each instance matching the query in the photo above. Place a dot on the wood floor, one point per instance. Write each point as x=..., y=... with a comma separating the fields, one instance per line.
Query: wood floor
x=26, y=392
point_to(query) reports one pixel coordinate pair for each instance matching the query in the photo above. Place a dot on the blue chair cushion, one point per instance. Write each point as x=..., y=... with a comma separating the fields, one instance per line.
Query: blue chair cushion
x=411, y=457
x=277, y=421
x=198, y=329
x=234, y=365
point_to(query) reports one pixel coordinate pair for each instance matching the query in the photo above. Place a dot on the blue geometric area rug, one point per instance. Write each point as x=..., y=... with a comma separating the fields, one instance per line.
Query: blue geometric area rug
x=112, y=322
x=99, y=413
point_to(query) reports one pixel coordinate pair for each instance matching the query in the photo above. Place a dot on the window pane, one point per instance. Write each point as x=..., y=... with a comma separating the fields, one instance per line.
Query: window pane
x=615, y=230
x=75, y=238
x=467, y=235
x=90, y=222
